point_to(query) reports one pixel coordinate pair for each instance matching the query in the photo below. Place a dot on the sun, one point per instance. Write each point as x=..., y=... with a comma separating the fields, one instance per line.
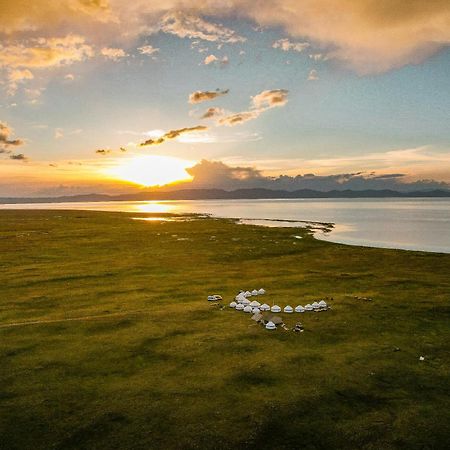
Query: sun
x=151, y=170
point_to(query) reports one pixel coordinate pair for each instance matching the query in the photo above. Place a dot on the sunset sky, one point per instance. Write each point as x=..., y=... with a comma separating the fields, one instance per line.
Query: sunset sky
x=95, y=94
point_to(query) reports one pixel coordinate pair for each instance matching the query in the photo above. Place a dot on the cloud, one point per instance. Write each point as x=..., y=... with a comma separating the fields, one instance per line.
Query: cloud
x=270, y=99
x=286, y=45
x=5, y=138
x=69, y=77
x=15, y=77
x=213, y=113
x=313, y=75
x=365, y=35
x=41, y=53
x=260, y=103
x=317, y=57
x=216, y=174
x=202, y=96
x=18, y=157
x=239, y=118
x=148, y=50
x=21, y=16
x=103, y=151
x=115, y=54
x=190, y=26
x=172, y=134
x=209, y=59
x=59, y=133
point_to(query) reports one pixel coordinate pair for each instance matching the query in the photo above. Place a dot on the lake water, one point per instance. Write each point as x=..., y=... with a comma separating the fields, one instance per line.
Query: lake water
x=412, y=224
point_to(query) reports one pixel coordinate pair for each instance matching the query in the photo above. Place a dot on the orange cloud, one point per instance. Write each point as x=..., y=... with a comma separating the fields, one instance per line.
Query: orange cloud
x=172, y=134
x=114, y=54
x=260, y=103
x=202, y=96
x=45, y=52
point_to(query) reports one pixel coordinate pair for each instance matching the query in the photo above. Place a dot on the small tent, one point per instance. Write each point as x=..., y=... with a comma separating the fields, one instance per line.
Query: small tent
x=288, y=309
x=255, y=310
x=246, y=302
x=247, y=293
x=255, y=304
x=308, y=307
x=264, y=307
x=239, y=307
x=270, y=326
x=323, y=304
x=255, y=292
x=299, y=309
x=233, y=305
x=275, y=308
x=248, y=309
x=261, y=291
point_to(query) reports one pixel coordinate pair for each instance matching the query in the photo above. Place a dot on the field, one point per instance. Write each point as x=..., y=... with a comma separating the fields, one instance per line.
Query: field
x=108, y=342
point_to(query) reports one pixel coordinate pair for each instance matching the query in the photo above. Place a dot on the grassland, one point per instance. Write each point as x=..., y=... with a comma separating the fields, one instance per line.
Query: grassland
x=147, y=363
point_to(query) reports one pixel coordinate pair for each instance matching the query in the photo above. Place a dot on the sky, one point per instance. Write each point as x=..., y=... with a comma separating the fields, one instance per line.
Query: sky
x=110, y=96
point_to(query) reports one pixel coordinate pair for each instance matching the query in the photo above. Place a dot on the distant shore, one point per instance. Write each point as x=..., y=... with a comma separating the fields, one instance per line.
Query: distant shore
x=220, y=194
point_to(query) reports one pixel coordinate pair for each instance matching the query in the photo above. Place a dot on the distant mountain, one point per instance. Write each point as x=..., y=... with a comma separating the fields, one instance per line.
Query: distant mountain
x=210, y=194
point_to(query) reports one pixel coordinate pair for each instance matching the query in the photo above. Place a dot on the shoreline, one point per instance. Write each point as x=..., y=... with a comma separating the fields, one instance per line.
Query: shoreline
x=321, y=231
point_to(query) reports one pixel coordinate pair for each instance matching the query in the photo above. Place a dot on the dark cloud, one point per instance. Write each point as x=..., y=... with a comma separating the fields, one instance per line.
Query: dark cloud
x=172, y=134
x=214, y=174
x=103, y=151
x=203, y=96
x=5, y=141
x=238, y=118
x=18, y=157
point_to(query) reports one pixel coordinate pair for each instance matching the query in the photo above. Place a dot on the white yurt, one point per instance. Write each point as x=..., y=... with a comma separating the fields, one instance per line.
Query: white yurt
x=275, y=309
x=270, y=326
x=308, y=307
x=261, y=291
x=323, y=304
x=288, y=309
x=255, y=304
x=299, y=309
x=248, y=309
x=233, y=305
x=247, y=293
x=256, y=310
x=315, y=305
x=246, y=302
x=255, y=292
x=264, y=307
x=239, y=307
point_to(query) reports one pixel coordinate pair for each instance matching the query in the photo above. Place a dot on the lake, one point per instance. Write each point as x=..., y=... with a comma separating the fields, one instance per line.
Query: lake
x=412, y=224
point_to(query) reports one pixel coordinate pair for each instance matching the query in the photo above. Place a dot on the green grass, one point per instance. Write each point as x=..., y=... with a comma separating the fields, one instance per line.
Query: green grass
x=159, y=367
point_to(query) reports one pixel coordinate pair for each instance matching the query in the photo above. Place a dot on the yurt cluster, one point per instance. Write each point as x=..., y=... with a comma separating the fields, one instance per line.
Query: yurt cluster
x=262, y=313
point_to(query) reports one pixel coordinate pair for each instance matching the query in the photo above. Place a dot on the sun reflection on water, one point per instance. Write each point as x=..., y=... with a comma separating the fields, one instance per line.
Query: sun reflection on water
x=154, y=207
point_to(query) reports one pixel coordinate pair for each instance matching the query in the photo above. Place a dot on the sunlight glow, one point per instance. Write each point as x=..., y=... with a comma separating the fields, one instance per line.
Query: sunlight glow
x=151, y=170
x=153, y=207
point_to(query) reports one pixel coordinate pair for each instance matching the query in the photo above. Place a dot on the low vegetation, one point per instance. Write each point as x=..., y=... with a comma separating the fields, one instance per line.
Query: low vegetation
x=107, y=340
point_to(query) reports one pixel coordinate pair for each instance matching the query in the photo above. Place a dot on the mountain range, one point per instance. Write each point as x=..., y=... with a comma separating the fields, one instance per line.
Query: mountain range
x=219, y=194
